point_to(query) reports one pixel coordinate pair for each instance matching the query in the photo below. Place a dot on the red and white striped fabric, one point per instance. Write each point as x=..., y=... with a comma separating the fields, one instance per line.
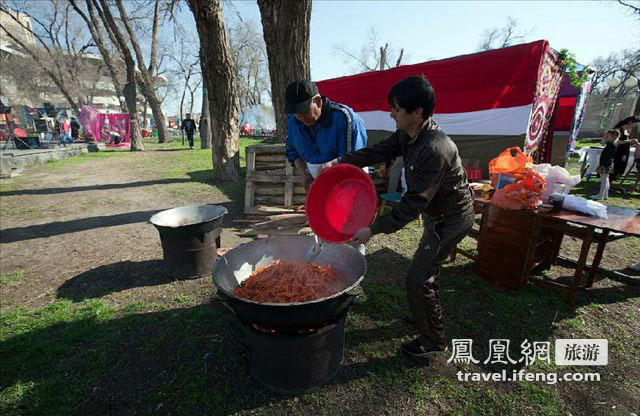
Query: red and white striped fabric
x=486, y=93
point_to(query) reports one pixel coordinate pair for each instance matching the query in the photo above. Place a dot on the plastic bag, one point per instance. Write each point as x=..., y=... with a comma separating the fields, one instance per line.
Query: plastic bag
x=510, y=161
x=524, y=194
x=585, y=206
x=556, y=175
x=529, y=186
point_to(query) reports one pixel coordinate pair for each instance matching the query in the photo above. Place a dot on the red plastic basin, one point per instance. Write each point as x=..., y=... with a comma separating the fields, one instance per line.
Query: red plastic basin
x=340, y=202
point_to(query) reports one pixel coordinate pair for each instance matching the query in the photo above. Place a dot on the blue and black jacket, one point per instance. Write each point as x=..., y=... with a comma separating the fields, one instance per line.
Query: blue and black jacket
x=339, y=130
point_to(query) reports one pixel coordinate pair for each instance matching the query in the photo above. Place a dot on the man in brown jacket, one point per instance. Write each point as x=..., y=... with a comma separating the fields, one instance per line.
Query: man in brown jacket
x=437, y=185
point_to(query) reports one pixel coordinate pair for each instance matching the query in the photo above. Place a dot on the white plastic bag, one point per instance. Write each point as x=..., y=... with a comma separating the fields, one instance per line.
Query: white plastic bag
x=585, y=206
x=555, y=175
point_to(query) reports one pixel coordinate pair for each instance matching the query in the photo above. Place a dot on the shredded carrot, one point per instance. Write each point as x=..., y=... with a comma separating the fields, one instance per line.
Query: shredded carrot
x=290, y=281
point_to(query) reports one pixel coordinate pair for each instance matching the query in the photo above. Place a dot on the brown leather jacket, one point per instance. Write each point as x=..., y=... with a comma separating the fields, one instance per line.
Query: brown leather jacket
x=436, y=181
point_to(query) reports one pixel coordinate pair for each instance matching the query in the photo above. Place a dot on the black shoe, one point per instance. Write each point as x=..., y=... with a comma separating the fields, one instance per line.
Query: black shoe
x=416, y=349
x=409, y=320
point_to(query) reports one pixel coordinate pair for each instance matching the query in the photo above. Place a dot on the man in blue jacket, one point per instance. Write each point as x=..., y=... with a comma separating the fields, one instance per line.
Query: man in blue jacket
x=319, y=129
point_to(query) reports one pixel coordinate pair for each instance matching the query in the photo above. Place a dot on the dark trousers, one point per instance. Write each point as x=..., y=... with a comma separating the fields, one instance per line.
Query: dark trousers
x=190, y=137
x=439, y=236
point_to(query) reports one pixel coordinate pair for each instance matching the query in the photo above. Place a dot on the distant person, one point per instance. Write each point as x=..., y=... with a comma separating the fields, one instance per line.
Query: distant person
x=66, y=131
x=623, y=145
x=188, y=125
x=606, y=162
x=319, y=129
x=75, y=129
x=115, y=137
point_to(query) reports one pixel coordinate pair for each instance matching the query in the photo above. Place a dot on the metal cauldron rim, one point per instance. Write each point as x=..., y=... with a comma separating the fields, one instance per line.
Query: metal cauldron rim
x=335, y=295
x=213, y=218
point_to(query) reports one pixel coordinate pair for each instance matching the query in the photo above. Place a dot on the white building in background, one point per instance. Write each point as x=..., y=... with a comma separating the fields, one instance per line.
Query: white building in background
x=103, y=93
x=16, y=29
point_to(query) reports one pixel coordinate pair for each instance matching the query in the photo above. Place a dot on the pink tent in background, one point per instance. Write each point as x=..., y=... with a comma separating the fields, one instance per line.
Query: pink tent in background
x=106, y=127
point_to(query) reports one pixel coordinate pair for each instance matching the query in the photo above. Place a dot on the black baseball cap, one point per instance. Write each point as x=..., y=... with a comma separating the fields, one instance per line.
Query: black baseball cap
x=299, y=95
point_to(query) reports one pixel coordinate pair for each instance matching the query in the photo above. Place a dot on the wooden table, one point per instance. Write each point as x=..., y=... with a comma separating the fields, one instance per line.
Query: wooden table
x=537, y=243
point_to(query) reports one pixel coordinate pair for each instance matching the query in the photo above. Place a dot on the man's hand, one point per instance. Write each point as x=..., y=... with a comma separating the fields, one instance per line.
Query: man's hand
x=362, y=236
x=307, y=181
x=327, y=165
x=301, y=166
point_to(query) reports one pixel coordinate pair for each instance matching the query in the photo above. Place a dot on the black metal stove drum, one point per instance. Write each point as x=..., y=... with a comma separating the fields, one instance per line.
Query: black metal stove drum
x=189, y=236
x=292, y=347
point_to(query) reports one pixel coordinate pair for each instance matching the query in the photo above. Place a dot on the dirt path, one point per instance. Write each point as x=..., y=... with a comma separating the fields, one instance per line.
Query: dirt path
x=84, y=224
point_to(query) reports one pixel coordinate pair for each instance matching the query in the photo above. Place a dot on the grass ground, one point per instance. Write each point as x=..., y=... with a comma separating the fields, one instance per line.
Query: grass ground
x=92, y=324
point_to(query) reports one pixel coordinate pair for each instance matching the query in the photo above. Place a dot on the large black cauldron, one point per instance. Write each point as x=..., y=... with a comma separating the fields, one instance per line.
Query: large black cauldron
x=238, y=264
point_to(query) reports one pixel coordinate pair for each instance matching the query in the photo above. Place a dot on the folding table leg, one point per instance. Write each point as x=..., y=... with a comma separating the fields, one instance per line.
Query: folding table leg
x=598, y=257
x=584, y=251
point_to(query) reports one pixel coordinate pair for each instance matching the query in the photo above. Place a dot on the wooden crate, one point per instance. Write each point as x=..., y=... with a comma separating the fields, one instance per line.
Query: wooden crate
x=271, y=180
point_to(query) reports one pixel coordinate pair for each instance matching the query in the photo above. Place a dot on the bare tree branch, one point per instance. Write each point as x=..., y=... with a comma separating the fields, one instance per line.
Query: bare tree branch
x=634, y=9
x=371, y=51
x=620, y=66
x=57, y=81
x=510, y=34
x=57, y=51
x=400, y=57
x=93, y=24
x=355, y=58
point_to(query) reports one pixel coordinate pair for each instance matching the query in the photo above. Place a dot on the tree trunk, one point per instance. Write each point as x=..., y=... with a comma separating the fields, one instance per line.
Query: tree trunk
x=144, y=114
x=383, y=56
x=96, y=34
x=286, y=33
x=399, y=61
x=129, y=90
x=184, y=93
x=130, y=96
x=147, y=78
x=218, y=75
x=158, y=117
x=205, y=125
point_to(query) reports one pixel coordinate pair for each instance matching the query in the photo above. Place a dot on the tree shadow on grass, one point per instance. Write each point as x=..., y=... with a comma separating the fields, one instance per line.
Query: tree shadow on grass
x=169, y=150
x=50, y=229
x=74, y=359
x=30, y=232
x=115, y=277
x=105, y=187
x=233, y=190
x=181, y=361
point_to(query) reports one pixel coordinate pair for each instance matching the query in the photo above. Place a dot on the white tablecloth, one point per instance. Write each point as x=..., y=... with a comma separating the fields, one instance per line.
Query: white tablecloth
x=590, y=158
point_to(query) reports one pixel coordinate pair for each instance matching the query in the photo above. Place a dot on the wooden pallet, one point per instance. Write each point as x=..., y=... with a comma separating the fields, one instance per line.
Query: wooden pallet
x=271, y=180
